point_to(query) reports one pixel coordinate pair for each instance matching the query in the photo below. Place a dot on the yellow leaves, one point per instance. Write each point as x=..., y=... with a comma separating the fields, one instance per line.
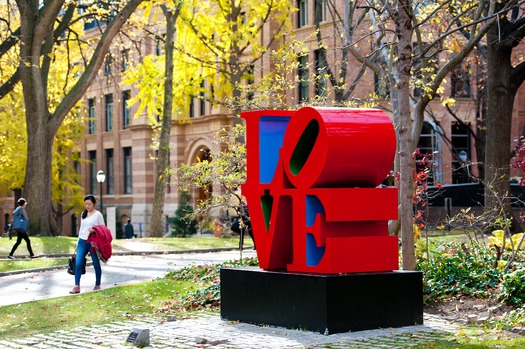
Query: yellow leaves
x=417, y=231
x=510, y=243
x=448, y=102
x=454, y=45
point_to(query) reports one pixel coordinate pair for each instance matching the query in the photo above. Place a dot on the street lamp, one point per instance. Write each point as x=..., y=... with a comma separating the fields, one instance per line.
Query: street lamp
x=101, y=177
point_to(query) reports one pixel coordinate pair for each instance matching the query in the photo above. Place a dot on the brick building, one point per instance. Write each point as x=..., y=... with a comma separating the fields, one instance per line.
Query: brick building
x=120, y=145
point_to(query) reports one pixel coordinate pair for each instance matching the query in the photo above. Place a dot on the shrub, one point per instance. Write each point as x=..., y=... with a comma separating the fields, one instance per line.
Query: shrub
x=184, y=223
x=207, y=296
x=512, y=289
x=459, y=272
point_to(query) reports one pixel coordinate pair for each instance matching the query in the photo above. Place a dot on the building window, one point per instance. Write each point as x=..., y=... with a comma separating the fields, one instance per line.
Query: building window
x=461, y=153
x=460, y=82
x=158, y=46
x=250, y=81
x=108, y=62
x=320, y=73
x=202, y=100
x=128, y=184
x=90, y=22
x=320, y=11
x=427, y=71
x=92, y=156
x=192, y=107
x=110, y=172
x=109, y=112
x=381, y=87
x=302, y=15
x=126, y=113
x=426, y=159
x=124, y=56
x=302, y=75
x=92, y=117
x=77, y=166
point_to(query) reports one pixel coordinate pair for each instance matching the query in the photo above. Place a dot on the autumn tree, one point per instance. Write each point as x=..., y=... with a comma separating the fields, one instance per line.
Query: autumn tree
x=216, y=46
x=224, y=37
x=406, y=40
x=66, y=189
x=504, y=77
x=43, y=26
x=161, y=99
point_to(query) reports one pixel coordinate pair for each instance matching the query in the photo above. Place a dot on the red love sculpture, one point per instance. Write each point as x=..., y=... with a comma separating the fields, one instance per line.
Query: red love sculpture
x=311, y=189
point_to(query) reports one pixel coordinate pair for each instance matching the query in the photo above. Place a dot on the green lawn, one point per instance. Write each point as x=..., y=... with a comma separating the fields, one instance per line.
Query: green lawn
x=475, y=343
x=62, y=244
x=109, y=305
x=43, y=245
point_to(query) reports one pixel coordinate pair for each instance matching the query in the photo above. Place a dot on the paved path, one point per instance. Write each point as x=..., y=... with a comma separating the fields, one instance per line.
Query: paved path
x=204, y=331
x=212, y=332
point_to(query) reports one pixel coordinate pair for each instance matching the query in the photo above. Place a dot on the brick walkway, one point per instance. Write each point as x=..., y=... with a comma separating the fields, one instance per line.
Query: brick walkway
x=209, y=331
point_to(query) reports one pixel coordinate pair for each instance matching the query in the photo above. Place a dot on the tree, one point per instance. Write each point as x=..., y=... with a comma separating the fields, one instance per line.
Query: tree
x=225, y=172
x=406, y=65
x=66, y=191
x=171, y=15
x=224, y=38
x=210, y=58
x=184, y=223
x=163, y=100
x=37, y=38
x=504, y=77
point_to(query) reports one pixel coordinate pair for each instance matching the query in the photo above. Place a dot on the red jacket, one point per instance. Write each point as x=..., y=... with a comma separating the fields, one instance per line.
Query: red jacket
x=100, y=240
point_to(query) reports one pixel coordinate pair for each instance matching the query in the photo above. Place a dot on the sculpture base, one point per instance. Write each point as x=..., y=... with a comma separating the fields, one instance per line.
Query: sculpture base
x=322, y=303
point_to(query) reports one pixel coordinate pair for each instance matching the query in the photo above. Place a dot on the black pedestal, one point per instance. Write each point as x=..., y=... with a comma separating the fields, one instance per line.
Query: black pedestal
x=322, y=303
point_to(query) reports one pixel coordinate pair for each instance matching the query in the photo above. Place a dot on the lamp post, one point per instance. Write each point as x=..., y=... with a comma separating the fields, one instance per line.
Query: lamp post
x=101, y=177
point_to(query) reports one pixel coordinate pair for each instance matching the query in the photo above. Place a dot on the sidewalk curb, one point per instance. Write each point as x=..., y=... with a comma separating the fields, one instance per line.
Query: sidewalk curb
x=119, y=253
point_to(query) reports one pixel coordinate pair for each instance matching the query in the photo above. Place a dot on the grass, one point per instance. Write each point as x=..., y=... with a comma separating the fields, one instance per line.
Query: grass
x=474, y=343
x=8, y=265
x=44, y=245
x=64, y=244
x=161, y=296
x=113, y=304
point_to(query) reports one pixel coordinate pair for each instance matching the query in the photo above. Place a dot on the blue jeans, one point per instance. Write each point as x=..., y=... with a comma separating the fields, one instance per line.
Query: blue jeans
x=83, y=247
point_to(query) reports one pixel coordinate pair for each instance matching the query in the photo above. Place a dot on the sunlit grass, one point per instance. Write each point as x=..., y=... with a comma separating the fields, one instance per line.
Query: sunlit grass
x=113, y=304
x=7, y=265
x=474, y=343
x=66, y=245
x=61, y=245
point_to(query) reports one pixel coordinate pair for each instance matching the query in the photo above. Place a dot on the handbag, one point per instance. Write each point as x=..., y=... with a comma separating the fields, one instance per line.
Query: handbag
x=20, y=223
x=71, y=265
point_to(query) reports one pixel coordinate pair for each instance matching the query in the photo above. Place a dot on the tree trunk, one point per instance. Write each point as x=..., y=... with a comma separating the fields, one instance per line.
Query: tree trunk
x=500, y=96
x=38, y=180
x=481, y=118
x=403, y=66
x=156, y=228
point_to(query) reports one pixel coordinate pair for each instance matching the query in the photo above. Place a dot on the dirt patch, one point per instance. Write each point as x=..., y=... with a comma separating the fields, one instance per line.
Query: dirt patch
x=475, y=313
x=468, y=309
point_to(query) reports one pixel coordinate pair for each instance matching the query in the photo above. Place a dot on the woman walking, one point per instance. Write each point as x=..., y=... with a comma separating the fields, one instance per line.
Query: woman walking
x=90, y=218
x=21, y=234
